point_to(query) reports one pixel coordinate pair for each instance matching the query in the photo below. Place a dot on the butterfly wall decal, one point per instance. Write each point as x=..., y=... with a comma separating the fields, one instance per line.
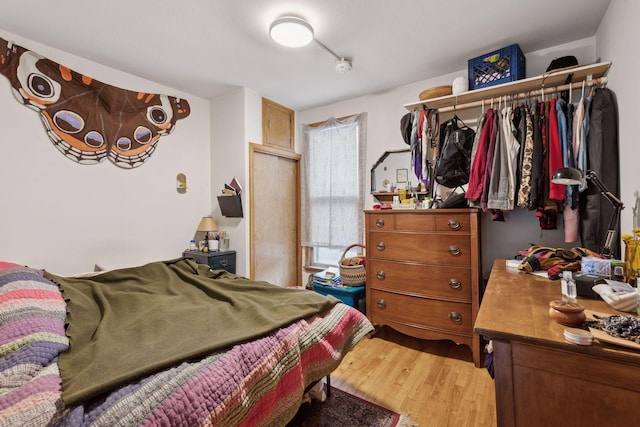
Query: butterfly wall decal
x=87, y=120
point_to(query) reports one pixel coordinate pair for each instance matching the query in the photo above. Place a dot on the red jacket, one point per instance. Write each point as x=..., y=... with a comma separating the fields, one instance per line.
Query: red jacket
x=556, y=191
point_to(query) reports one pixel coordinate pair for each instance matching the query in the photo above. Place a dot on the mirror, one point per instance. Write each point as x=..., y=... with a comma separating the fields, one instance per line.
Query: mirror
x=392, y=170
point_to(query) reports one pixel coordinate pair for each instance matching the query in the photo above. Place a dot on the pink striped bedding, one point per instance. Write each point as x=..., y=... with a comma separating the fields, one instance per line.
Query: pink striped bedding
x=255, y=383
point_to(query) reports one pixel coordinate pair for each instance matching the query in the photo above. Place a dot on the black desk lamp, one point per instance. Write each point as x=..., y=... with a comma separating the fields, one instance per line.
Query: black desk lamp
x=571, y=176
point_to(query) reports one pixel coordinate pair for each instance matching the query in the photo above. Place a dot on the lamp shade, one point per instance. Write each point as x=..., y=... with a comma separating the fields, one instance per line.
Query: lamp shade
x=207, y=223
x=568, y=176
x=291, y=31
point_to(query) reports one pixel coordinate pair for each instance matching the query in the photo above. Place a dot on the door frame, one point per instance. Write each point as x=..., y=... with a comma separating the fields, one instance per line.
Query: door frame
x=290, y=155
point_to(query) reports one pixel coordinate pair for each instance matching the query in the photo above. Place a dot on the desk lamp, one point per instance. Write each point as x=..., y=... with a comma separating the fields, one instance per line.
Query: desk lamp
x=572, y=176
x=207, y=224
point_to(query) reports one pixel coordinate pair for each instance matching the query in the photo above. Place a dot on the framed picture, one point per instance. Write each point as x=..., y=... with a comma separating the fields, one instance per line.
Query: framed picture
x=402, y=175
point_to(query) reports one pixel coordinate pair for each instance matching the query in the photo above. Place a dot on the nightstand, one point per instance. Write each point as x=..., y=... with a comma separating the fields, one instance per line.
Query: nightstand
x=218, y=260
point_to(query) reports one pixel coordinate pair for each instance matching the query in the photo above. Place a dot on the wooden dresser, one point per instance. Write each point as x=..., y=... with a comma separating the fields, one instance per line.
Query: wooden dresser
x=542, y=379
x=423, y=274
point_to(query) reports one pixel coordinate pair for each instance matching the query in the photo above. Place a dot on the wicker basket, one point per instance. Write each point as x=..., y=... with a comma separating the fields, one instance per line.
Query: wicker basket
x=352, y=270
x=436, y=92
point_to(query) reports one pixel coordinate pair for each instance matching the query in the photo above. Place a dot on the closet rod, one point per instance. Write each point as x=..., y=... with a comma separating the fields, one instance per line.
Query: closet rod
x=524, y=95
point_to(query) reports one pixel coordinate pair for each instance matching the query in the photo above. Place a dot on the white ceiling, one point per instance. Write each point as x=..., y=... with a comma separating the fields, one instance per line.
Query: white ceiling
x=208, y=47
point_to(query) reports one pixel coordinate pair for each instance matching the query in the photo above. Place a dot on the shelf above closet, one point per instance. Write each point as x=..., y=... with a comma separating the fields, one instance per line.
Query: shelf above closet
x=548, y=81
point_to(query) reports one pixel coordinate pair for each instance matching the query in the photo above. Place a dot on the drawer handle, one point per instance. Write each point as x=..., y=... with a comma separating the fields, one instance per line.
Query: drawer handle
x=224, y=262
x=454, y=224
x=382, y=303
x=455, y=317
x=380, y=246
x=455, y=283
x=379, y=222
x=454, y=250
x=380, y=274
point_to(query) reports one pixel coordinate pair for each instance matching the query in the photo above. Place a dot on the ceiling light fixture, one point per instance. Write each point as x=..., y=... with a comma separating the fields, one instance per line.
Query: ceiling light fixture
x=292, y=31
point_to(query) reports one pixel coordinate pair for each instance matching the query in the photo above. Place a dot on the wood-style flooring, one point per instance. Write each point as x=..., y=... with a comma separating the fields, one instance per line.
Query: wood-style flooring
x=434, y=383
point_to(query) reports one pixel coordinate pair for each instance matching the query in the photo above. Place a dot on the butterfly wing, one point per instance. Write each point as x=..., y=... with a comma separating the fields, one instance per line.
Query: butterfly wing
x=87, y=120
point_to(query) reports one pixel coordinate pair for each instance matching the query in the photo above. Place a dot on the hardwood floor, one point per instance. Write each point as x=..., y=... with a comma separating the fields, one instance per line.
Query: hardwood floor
x=434, y=383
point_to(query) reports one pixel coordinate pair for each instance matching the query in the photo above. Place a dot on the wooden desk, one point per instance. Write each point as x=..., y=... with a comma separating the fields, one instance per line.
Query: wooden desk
x=543, y=380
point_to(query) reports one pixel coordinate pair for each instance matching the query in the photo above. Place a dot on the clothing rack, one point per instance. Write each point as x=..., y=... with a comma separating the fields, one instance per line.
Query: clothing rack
x=542, y=92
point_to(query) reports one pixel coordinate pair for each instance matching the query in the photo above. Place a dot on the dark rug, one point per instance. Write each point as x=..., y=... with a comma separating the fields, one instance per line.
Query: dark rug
x=343, y=409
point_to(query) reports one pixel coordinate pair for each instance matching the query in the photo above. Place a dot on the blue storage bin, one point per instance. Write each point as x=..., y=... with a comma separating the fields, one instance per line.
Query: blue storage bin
x=500, y=66
x=348, y=295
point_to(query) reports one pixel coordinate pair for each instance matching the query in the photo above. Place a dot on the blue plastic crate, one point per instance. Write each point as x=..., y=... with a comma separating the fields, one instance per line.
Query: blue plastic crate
x=500, y=66
x=348, y=295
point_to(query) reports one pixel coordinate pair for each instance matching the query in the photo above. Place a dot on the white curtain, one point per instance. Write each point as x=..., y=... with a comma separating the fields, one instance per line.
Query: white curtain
x=333, y=182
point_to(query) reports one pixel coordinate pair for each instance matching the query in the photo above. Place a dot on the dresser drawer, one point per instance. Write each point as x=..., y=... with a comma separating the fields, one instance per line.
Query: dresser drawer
x=414, y=222
x=434, y=314
x=443, y=249
x=419, y=279
x=453, y=222
x=379, y=221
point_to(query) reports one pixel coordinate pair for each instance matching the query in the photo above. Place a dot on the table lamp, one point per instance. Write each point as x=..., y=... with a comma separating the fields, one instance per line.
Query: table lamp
x=572, y=176
x=208, y=224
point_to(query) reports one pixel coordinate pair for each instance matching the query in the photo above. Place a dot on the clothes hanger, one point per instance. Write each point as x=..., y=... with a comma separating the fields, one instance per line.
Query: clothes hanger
x=570, y=93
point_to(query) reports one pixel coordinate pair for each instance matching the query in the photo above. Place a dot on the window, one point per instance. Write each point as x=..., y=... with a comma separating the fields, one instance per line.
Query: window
x=333, y=188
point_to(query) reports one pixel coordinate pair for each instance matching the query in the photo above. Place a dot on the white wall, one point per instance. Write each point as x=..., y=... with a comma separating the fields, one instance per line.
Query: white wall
x=236, y=120
x=617, y=41
x=498, y=239
x=66, y=217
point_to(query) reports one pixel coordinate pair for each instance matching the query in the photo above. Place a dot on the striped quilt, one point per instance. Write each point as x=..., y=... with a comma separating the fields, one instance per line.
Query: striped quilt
x=255, y=383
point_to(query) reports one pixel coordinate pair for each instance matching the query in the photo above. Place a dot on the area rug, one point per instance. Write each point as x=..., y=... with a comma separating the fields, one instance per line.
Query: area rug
x=344, y=409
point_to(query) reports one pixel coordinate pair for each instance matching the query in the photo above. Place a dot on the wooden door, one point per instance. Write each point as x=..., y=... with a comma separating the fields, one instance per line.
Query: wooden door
x=275, y=215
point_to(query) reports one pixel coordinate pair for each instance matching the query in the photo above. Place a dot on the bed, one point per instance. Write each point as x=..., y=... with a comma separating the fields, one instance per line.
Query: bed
x=257, y=378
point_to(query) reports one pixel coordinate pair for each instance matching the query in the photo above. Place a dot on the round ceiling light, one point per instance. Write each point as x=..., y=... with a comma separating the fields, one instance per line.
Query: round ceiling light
x=291, y=31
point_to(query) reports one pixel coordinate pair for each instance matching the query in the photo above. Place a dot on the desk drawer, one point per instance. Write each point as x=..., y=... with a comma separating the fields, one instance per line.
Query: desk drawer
x=419, y=279
x=438, y=315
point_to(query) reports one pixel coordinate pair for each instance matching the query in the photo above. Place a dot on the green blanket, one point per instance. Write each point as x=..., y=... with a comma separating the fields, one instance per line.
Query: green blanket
x=132, y=322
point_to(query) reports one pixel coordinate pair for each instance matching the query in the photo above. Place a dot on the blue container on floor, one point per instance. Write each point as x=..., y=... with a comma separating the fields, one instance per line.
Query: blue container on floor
x=348, y=295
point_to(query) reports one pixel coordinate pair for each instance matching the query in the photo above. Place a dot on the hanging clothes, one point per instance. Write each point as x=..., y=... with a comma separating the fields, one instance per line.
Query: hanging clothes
x=493, y=138
x=519, y=121
x=556, y=191
x=547, y=209
x=526, y=165
x=603, y=159
x=502, y=183
x=537, y=157
x=474, y=150
x=572, y=196
x=478, y=167
x=513, y=155
x=416, y=154
x=583, y=155
x=569, y=214
x=577, y=143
